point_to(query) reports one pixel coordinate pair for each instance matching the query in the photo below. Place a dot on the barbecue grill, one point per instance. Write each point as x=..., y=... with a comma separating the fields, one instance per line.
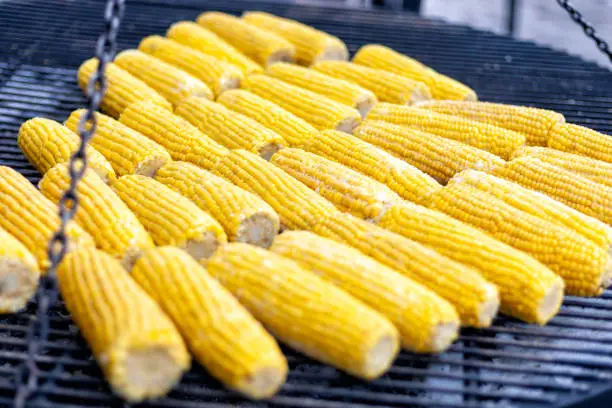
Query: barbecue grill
x=567, y=363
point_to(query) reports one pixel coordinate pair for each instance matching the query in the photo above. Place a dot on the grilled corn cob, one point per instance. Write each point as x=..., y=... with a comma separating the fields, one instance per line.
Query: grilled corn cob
x=222, y=335
x=137, y=347
x=19, y=274
x=576, y=139
x=305, y=312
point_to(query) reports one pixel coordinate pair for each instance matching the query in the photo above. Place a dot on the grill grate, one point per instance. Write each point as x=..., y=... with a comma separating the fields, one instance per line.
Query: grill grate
x=510, y=364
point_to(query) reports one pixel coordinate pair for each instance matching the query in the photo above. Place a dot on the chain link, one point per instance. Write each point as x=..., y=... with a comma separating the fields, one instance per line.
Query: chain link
x=46, y=296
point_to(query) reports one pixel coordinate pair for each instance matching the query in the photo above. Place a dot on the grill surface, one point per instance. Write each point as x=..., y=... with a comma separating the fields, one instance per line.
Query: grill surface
x=566, y=363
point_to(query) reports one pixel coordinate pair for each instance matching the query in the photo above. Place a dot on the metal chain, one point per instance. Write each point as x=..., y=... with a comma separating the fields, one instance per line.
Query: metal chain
x=38, y=331
x=586, y=27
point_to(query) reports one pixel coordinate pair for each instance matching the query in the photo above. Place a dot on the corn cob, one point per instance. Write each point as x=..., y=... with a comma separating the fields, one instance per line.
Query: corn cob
x=309, y=314
x=139, y=350
x=406, y=180
x=171, y=82
x=534, y=123
x=320, y=111
x=218, y=75
x=205, y=41
x=128, y=151
x=19, y=274
x=347, y=189
x=580, y=262
x=475, y=299
x=426, y=322
x=347, y=93
x=311, y=45
x=122, y=89
x=438, y=157
x=181, y=139
x=114, y=228
x=31, y=218
x=576, y=139
x=235, y=348
x=170, y=218
x=233, y=130
x=387, y=86
x=297, y=206
x=46, y=143
x=244, y=216
x=528, y=290
x=441, y=86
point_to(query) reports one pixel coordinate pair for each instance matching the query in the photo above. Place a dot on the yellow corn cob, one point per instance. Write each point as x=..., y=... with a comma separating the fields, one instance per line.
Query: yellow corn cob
x=171, y=82
x=534, y=123
x=496, y=140
x=441, y=86
x=46, y=143
x=31, y=218
x=263, y=47
x=406, y=180
x=475, y=299
x=170, y=218
x=347, y=93
x=19, y=274
x=205, y=41
x=122, y=89
x=307, y=313
x=297, y=206
x=244, y=216
x=439, y=157
x=347, y=189
x=387, y=87
x=426, y=322
x=318, y=110
x=528, y=290
x=222, y=335
x=128, y=151
x=580, y=262
x=218, y=75
x=140, y=352
x=114, y=228
x=311, y=45
x=180, y=138
x=581, y=140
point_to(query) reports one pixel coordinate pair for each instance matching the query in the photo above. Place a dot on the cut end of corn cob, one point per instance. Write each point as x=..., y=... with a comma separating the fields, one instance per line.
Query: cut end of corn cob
x=19, y=274
x=151, y=372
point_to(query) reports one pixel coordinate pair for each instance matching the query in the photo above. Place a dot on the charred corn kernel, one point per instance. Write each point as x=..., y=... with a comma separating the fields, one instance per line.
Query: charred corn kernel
x=46, y=143
x=205, y=41
x=122, y=89
x=347, y=189
x=318, y=110
x=128, y=151
x=441, y=86
x=114, y=228
x=170, y=218
x=475, y=299
x=244, y=216
x=534, y=123
x=218, y=75
x=404, y=179
x=172, y=83
x=305, y=312
x=387, y=86
x=581, y=140
x=580, y=262
x=426, y=322
x=493, y=139
x=235, y=348
x=439, y=157
x=528, y=290
x=31, y=218
x=311, y=45
x=19, y=274
x=180, y=138
x=347, y=93
x=297, y=206
x=139, y=350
